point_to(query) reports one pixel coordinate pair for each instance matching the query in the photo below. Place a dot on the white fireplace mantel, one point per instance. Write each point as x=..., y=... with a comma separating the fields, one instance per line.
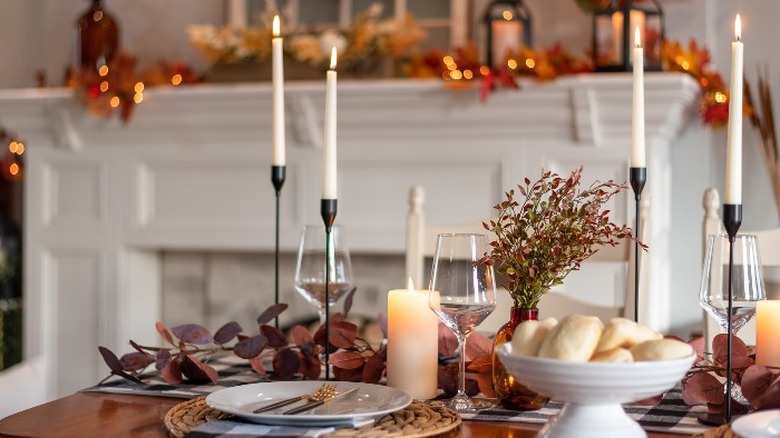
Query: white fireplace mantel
x=191, y=171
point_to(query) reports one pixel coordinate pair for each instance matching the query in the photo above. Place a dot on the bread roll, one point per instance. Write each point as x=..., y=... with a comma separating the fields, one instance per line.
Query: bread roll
x=528, y=336
x=617, y=355
x=661, y=349
x=573, y=339
x=624, y=333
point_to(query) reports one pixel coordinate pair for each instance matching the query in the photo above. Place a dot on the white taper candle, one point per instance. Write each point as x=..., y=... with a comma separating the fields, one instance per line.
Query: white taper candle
x=638, y=107
x=329, y=186
x=277, y=61
x=733, y=193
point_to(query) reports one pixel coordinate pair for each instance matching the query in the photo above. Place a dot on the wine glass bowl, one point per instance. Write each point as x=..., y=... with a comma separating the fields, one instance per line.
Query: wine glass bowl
x=462, y=294
x=311, y=262
x=747, y=280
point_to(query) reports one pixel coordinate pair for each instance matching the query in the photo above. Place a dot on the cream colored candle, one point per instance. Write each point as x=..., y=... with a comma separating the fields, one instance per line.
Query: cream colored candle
x=507, y=34
x=638, y=106
x=278, y=94
x=329, y=187
x=412, y=342
x=733, y=191
x=768, y=333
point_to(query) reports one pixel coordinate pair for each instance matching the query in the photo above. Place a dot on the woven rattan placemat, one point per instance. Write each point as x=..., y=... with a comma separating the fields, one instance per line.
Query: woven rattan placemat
x=416, y=420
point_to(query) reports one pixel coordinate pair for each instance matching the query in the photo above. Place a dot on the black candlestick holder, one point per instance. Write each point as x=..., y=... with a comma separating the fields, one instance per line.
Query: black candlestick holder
x=278, y=174
x=637, y=179
x=732, y=219
x=328, y=208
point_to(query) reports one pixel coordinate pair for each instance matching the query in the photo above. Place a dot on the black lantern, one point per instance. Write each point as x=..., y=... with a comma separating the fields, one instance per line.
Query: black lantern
x=613, y=34
x=508, y=24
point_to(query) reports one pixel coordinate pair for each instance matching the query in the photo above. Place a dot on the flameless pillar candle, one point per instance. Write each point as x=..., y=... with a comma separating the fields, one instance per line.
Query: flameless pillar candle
x=733, y=193
x=278, y=95
x=412, y=342
x=507, y=34
x=329, y=187
x=638, y=109
x=768, y=333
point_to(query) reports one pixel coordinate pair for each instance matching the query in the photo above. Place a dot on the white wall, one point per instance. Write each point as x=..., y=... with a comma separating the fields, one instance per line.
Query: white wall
x=36, y=35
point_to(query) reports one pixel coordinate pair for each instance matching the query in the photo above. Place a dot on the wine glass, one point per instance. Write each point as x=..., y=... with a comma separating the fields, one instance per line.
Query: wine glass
x=310, y=267
x=747, y=281
x=462, y=294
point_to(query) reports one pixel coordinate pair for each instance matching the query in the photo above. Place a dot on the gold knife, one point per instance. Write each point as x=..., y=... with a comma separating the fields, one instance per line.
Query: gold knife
x=313, y=404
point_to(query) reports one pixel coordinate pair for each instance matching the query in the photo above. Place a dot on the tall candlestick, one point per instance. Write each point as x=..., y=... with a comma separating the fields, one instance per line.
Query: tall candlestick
x=329, y=186
x=733, y=193
x=412, y=342
x=768, y=333
x=278, y=95
x=638, y=109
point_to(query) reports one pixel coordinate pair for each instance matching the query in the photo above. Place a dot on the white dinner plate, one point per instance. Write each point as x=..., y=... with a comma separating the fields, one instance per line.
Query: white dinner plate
x=762, y=424
x=366, y=402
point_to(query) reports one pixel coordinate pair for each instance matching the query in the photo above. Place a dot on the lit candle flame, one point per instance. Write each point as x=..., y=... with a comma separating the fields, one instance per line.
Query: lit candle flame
x=333, y=58
x=637, y=41
x=410, y=285
x=738, y=28
x=276, y=26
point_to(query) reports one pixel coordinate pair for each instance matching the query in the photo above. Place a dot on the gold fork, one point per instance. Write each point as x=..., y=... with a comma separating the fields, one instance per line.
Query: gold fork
x=324, y=391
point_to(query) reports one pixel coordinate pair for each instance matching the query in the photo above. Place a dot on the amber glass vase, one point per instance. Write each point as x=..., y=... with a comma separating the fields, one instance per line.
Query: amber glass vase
x=97, y=37
x=510, y=393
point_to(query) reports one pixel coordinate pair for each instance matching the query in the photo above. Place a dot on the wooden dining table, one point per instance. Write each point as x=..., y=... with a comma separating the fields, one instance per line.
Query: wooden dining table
x=88, y=414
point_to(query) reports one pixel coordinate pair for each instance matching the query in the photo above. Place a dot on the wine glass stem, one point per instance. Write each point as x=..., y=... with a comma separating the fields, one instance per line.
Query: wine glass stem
x=462, y=365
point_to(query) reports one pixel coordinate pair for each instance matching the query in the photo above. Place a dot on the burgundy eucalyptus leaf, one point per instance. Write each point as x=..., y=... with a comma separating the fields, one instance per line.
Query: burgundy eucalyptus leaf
x=163, y=357
x=196, y=370
x=310, y=366
x=276, y=338
x=136, y=361
x=485, y=384
x=448, y=343
x=193, y=334
x=285, y=364
x=349, y=374
x=720, y=348
x=258, y=365
x=163, y=331
x=250, y=347
x=761, y=387
x=172, y=372
x=374, y=369
x=705, y=387
x=481, y=365
x=271, y=313
x=347, y=360
x=227, y=332
x=348, y=301
x=478, y=345
x=301, y=336
x=111, y=360
x=698, y=347
x=343, y=334
x=137, y=347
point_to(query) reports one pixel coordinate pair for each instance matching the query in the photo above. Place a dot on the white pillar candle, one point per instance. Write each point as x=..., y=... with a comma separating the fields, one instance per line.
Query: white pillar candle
x=329, y=186
x=733, y=191
x=768, y=333
x=412, y=342
x=638, y=106
x=277, y=61
x=507, y=34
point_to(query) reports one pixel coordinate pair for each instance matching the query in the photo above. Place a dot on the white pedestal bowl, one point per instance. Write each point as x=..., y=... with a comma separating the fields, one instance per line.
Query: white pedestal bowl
x=593, y=392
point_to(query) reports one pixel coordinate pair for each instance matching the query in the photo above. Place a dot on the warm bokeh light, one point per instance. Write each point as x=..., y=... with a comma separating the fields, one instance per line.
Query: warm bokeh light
x=685, y=65
x=456, y=74
x=19, y=148
x=468, y=74
x=452, y=66
x=13, y=147
x=720, y=97
x=104, y=86
x=507, y=15
x=530, y=63
x=13, y=169
x=511, y=64
x=448, y=60
x=484, y=70
x=176, y=79
x=114, y=102
x=138, y=98
x=139, y=87
x=103, y=70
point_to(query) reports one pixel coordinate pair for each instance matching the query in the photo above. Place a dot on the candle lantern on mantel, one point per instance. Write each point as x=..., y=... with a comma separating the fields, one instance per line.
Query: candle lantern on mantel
x=613, y=34
x=508, y=25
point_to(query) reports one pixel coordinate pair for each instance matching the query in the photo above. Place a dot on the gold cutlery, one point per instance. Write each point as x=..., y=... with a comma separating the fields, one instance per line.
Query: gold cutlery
x=323, y=392
x=314, y=403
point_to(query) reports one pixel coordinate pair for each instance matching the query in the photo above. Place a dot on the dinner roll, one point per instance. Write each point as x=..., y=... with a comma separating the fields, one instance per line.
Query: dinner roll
x=573, y=339
x=661, y=349
x=624, y=333
x=618, y=355
x=528, y=336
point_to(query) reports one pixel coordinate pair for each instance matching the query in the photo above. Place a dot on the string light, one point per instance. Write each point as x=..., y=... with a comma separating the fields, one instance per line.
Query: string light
x=114, y=102
x=176, y=79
